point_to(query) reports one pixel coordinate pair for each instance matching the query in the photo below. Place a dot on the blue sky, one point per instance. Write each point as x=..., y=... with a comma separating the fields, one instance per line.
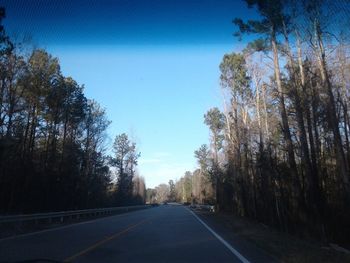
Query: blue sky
x=152, y=64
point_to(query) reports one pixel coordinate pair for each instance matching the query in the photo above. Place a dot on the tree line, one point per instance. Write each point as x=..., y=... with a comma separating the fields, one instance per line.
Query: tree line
x=279, y=150
x=53, y=150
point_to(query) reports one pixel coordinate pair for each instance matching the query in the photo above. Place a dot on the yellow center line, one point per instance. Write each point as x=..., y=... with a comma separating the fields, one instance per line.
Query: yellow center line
x=103, y=241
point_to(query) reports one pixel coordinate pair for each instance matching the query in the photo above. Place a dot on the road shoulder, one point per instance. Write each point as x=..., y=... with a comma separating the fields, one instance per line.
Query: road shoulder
x=260, y=243
x=248, y=249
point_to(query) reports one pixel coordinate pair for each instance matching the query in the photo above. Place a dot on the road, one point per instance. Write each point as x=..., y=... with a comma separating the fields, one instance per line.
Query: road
x=166, y=233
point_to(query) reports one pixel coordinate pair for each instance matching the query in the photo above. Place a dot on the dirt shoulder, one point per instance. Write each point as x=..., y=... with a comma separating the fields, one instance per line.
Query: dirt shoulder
x=246, y=235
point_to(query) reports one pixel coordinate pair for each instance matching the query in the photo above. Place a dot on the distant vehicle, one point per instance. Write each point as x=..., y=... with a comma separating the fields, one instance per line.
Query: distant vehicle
x=165, y=203
x=186, y=203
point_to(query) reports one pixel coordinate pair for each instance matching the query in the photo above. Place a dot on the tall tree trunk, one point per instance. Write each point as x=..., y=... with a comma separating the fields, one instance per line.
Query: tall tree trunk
x=265, y=111
x=313, y=188
x=2, y=95
x=285, y=125
x=313, y=192
x=32, y=132
x=63, y=142
x=333, y=120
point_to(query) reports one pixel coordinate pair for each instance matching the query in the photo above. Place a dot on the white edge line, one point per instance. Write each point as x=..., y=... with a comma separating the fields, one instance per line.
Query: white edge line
x=234, y=251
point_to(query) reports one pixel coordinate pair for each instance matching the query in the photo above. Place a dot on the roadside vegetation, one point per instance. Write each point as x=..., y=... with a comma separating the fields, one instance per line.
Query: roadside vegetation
x=53, y=139
x=279, y=150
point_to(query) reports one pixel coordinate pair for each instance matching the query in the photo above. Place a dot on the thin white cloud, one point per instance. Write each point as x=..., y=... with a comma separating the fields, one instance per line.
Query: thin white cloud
x=162, y=154
x=149, y=161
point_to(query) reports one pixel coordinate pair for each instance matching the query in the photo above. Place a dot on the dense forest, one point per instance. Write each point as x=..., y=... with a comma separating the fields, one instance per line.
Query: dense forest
x=53, y=152
x=279, y=151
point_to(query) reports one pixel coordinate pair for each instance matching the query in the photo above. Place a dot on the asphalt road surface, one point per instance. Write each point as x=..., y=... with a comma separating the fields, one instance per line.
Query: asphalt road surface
x=166, y=233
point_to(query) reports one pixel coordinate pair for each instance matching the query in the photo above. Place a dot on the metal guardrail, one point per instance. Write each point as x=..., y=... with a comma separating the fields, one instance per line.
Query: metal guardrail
x=69, y=214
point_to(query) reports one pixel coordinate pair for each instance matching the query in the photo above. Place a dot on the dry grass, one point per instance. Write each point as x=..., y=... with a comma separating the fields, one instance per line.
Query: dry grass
x=283, y=247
